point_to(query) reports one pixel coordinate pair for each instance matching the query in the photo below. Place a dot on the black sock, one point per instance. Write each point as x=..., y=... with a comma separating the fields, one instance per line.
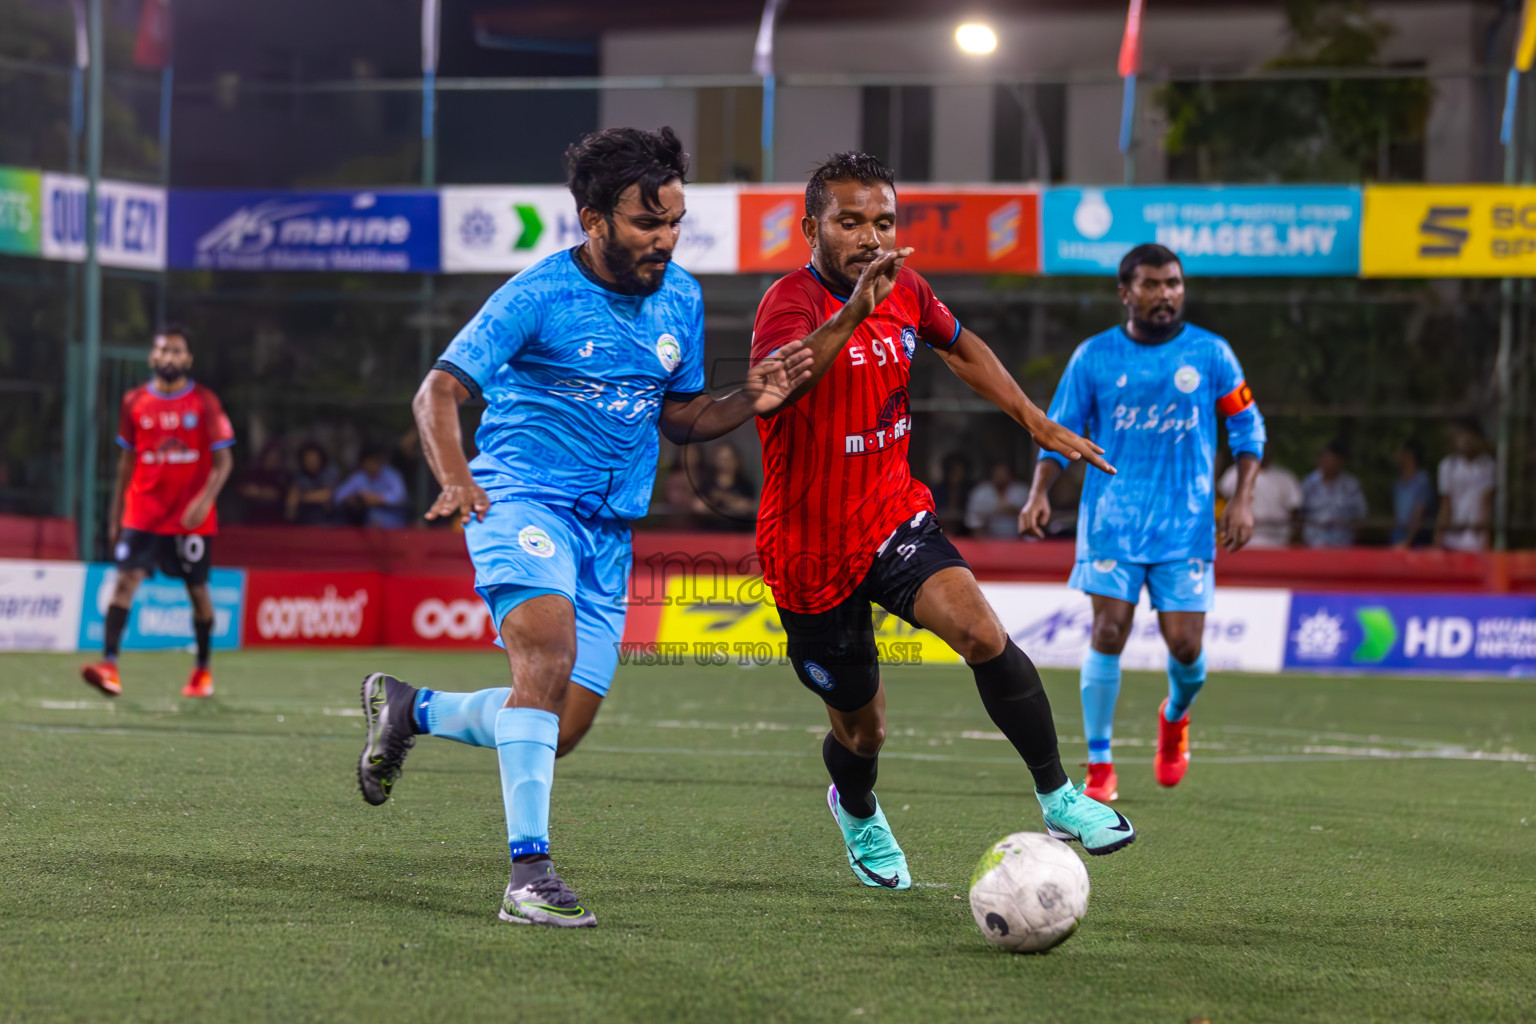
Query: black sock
x=854, y=777
x=204, y=631
x=1011, y=692
x=117, y=621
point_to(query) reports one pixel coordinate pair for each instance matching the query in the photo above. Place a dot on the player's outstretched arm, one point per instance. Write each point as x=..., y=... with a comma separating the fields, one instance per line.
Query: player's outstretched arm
x=768, y=387
x=436, y=408
x=974, y=362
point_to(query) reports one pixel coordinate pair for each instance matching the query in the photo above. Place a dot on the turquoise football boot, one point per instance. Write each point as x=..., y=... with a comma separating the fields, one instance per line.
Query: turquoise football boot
x=1071, y=815
x=872, y=851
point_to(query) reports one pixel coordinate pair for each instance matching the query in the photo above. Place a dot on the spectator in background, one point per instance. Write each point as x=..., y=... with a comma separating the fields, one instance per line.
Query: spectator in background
x=310, y=494
x=1332, y=502
x=1466, y=491
x=725, y=490
x=374, y=494
x=262, y=486
x=993, y=506
x=950, y=495
x=1413, y=499
x=1276, y=500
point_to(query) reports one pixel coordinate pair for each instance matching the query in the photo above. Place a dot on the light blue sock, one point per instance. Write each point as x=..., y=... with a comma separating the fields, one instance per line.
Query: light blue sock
x=466, y=717
x=1184, y=682
x=1101, y=688
x=525, y=746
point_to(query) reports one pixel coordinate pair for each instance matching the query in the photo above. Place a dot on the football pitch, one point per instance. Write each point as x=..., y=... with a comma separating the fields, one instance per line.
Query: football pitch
x=1343, y=849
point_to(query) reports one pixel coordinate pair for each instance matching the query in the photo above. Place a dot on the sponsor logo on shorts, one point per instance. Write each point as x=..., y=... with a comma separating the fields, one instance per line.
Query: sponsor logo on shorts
x=820, y=676
x=669, y=352
x=120, y=553
x=1186, y=379
x=1104, y=564
x=536, y=542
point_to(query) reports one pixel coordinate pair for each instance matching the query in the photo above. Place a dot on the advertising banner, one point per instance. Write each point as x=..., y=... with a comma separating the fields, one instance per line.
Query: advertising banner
x=40, y=605
x=393, y=232
x=1432, y=633
x=308, y=609
x=726, y=620
x=1449, y=231
x=1236, y=231
x=503, y=229
x=161, y=619
x=21, y=212
x=131, y=221
x=436, y=611
x=970, y=231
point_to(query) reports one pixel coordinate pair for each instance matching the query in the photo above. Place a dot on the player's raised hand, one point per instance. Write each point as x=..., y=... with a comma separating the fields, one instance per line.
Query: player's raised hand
x=461, y=501
x=774, y=379
x=1235, y=527
x=1053, y=437
x=877, y=280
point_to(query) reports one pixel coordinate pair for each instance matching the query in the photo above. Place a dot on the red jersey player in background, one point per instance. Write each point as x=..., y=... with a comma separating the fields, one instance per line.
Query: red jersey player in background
x=842, y=523
x=175, y=459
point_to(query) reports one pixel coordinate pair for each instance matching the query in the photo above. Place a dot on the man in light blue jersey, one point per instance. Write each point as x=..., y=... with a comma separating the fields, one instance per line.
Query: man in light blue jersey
x=579, y=358
x=1150, y=392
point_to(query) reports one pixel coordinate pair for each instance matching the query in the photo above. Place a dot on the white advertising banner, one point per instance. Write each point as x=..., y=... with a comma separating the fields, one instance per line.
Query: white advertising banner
x=40, y=605
x=132, y=219
x=503, y=229
x=1245, y=632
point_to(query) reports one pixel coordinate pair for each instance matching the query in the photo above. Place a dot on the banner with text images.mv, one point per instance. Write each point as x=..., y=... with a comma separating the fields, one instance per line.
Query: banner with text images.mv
x=1430, y=632
x=1233, y=231
x=1449, y=231
x=161, y=619
x=503, y=228
x=391, y=232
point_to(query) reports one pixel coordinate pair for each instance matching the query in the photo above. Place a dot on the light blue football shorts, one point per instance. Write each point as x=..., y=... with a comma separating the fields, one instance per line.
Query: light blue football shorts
x=1184, y=585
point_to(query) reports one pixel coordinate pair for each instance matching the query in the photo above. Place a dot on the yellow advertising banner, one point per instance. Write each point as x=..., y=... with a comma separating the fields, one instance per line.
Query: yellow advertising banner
x=733, y=621
x=1448, y=231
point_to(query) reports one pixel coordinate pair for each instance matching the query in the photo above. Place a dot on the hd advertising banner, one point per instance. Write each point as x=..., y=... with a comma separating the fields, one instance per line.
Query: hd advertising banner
x=390, y=232
x=131, y=218
x=1236, y=231
x=502, y=229
x=1428, y=633
x=1449, y=231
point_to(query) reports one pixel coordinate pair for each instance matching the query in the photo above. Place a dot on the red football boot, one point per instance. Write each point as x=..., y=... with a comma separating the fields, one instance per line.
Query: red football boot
x=103, y=676
x=199, y=684
x=1172, y=757
x=1103, y=783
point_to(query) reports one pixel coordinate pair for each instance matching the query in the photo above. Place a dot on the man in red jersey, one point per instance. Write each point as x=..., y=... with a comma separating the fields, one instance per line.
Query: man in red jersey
x=175, y=459
x=842, y=523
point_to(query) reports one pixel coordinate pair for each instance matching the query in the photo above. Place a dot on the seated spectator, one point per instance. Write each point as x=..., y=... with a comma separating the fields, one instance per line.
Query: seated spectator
x=1466, y=491
x=1332, y=502
x=1276, y=500
x=262, y=486
x=950, y=495
x=310, y=494
x=725, y=490
x=1413, y=497
x=992, y=510
x=374, y=495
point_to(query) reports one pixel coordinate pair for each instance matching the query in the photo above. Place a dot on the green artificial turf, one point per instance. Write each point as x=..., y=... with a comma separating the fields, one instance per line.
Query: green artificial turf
x=1343, y=849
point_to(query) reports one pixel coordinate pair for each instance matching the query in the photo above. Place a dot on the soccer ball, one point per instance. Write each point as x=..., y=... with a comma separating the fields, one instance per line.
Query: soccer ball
x=1029, y=892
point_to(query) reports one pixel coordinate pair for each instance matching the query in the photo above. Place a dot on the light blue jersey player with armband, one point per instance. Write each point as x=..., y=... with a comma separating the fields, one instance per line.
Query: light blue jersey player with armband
x=1151, y=393
x=579, y=359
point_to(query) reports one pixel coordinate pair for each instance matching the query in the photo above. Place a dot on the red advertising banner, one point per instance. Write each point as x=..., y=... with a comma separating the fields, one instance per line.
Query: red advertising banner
x=991, y=231
x=435, y=611
x=307, y=609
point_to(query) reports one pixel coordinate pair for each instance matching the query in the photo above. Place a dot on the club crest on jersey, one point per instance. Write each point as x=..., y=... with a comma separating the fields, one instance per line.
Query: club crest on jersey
x=1186, y=379
x=909, y=340
x=820, y=676
x=536, y=542
x=188, y=420
x=669, y=352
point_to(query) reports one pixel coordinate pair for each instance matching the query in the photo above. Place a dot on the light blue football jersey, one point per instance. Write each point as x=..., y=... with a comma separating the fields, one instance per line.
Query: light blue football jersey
x=1153, y=409
x=573, y=375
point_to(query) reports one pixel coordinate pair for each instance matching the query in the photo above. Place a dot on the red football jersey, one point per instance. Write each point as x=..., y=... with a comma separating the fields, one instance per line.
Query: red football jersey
x=173, y=438
x=836, y=481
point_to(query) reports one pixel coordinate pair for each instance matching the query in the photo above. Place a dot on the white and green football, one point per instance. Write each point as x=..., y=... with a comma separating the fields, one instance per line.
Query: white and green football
x=1029, y=892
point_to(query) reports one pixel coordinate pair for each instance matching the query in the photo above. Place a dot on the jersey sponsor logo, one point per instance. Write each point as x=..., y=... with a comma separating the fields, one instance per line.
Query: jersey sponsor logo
x=884, y=350
x=586, y=350
x=1121, y=382
x=669, y=352
x=1160, y=419
x=909, y=340
x=1186, y=379
x=893, y=424
x=172, y=452
x=146, y=422
x=820, y=676
x=536, y=542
